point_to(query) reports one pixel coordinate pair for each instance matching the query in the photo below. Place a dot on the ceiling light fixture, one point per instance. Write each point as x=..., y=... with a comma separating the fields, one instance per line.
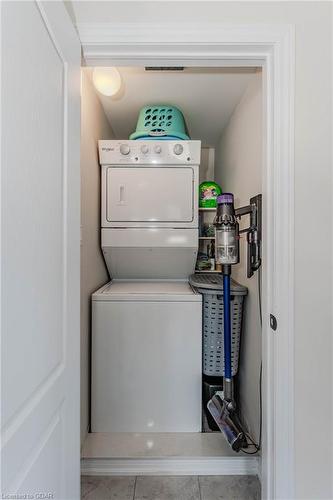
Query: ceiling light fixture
x=107, y=81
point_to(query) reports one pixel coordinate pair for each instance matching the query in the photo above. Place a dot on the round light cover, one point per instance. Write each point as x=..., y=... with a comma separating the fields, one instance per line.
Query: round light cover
x=107, y=80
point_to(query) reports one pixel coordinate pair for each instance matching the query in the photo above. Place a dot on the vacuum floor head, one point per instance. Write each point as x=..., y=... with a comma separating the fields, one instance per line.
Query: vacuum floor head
x=227, y=422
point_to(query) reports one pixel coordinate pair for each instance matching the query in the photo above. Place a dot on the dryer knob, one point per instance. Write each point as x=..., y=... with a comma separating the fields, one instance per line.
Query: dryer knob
x=144, y=149
x=158, y=149
x=124, y=149
x=178, y=149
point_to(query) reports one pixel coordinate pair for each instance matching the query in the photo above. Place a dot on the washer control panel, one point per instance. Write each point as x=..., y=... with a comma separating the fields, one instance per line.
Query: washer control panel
x=115, y=152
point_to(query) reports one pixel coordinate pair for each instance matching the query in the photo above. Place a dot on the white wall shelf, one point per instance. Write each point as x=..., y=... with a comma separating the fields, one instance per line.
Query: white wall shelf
x=204, y=239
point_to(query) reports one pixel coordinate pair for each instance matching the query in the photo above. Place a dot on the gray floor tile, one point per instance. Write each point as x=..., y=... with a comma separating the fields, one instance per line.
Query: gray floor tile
x=229, y=488
x=167, y=488
x=107, y=487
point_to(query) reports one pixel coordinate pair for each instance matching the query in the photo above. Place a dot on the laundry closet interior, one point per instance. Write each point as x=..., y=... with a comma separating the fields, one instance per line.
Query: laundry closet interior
x=173, y=141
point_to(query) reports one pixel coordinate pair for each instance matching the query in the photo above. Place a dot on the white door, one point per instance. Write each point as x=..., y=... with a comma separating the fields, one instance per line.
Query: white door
x=40, y=252
x=149, y=194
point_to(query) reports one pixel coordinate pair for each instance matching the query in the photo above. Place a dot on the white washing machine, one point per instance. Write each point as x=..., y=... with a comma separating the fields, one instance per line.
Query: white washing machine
x=146, y=330
x=146, y=358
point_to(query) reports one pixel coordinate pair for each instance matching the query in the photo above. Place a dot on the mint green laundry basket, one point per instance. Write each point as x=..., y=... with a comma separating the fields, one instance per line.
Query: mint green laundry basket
x=160, y=122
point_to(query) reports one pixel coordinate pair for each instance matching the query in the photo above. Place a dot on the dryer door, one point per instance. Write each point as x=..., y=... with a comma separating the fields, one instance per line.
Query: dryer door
x=150, y=195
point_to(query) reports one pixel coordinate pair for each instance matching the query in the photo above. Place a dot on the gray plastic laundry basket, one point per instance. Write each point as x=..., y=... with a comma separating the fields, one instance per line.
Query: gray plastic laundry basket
x=211, y=288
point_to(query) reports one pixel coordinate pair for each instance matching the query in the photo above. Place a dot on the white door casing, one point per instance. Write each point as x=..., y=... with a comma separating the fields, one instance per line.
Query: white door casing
x=40, y=272
x=271, y=47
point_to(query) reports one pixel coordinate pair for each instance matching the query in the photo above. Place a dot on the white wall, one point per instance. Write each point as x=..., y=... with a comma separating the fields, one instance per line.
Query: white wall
x=94, y=126
x=313, y=135
x=206, y=169
x=238, y=170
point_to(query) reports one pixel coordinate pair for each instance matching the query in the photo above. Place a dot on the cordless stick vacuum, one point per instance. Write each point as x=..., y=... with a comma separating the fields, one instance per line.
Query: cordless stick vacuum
x=222, y=406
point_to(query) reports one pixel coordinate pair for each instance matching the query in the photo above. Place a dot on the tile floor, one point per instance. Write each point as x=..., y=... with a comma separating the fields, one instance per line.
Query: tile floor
x=170, y=488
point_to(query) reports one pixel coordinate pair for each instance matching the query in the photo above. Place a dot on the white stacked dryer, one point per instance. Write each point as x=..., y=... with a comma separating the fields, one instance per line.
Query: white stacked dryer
x=146, y=335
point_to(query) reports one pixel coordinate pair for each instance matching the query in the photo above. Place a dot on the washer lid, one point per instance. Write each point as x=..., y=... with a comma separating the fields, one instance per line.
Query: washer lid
x=147, y=291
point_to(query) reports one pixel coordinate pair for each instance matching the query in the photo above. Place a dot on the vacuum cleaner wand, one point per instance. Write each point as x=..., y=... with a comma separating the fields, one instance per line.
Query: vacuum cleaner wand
x=222, y=406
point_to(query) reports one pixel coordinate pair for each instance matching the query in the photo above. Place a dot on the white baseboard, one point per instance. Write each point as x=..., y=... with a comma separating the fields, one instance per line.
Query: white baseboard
x=203, y=466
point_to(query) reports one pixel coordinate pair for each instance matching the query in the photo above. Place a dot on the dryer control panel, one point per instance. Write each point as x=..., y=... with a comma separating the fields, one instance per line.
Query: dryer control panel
x=116, y=152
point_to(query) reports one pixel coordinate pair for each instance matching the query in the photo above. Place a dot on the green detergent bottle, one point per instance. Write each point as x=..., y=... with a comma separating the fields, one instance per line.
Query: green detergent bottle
x=208, y=193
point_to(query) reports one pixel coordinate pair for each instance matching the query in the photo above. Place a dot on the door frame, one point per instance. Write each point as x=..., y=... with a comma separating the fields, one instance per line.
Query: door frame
x=271, y=47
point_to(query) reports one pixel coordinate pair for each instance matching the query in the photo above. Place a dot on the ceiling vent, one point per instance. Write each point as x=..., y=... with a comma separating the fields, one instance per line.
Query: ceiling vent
x=164, y=68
